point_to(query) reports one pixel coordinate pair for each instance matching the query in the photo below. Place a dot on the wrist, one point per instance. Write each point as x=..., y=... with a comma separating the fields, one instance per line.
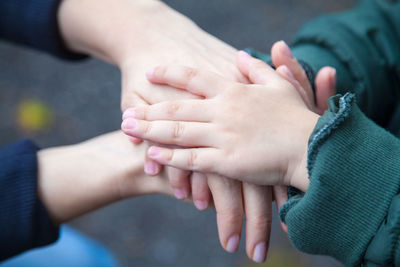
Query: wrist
x=298, y=176
x=73, y=180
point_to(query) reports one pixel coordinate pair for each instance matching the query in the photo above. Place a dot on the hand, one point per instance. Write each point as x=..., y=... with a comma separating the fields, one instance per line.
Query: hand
x=325, y=81
x=231, y=112
x=136, y=35
x=74, y=180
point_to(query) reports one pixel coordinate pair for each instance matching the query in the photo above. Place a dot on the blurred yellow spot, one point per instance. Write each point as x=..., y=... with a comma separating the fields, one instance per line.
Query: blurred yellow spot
x=34, y=115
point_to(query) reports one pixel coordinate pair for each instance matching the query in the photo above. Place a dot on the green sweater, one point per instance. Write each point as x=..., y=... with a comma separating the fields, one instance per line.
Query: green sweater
x=351, y=210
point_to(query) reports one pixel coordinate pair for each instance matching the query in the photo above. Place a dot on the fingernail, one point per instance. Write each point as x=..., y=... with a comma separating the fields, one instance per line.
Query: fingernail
x=179, y=194
x=150, y=72
x=260, y=253
x=201, y=205
x=233, y=244
x=287, y=70
x=129, y=113
x=128, y=124
x=286, y=50
x=153, y=151
x=150, y=168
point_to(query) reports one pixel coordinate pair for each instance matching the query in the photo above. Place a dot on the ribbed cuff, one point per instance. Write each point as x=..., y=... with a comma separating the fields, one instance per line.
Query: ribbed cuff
x=354, y=169
x=34, y=23
x=23, y=219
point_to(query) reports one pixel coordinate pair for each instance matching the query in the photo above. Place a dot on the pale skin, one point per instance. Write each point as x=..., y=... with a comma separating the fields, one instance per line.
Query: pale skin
x=76, y=179
x=255, y=133
x=121, y=34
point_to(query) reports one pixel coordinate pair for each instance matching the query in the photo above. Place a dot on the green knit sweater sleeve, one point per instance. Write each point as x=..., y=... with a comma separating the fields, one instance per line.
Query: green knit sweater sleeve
x=351, y=210
x=363, y=45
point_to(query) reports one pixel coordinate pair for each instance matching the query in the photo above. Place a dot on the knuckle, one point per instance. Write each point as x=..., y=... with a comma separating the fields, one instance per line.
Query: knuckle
x=173, y=108
x=260, y=222
x=192, y=159
x=230, y=217
x=178, y=129
x=190, y=73
x=146, y=127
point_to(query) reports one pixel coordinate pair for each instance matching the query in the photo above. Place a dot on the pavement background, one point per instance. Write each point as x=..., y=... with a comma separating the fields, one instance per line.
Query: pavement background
x=81, y=100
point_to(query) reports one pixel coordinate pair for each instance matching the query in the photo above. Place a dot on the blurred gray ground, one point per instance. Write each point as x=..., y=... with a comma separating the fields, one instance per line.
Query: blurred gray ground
x=84, y=97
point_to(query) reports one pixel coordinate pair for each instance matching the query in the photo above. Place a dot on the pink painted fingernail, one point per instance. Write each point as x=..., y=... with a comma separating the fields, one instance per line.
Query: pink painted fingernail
x=179, y=194
x=128, y=124
x=150, y=168
x=201, y=205
x=153, y=151
x=232, y=244
x=129, y=113
x=260, y=252
x=286, y=50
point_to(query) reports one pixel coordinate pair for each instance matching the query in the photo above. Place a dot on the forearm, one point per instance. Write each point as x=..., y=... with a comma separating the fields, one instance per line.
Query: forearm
x=113, y=32
x=77, y=179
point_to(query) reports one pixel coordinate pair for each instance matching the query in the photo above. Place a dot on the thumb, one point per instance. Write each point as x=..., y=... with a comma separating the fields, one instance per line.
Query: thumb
x=257, y=71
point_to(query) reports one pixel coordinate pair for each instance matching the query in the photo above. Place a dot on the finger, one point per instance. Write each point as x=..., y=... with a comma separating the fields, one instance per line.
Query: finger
x=198, y=82
x=135, y=140
x=281, y=55
x=256, y=70
x=191, y=159
x=285, y=73
x=193, y=134
x=179, y=181
x=178, y=110
x=280, y=194
x=325, y=87
x=257, y=206
x=135, y=101
x=151, y=167
x=227, y=195
x=200, y=192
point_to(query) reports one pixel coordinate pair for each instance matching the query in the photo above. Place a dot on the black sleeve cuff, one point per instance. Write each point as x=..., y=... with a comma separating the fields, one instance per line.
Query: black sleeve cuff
x=24, y=221
x=34, y=23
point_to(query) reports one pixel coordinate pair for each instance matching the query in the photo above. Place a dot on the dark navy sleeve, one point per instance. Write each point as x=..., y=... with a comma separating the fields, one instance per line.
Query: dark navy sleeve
x=24, y=222
x=34, y=23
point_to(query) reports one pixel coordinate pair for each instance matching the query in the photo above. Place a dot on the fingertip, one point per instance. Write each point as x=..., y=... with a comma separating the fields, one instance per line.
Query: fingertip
x=128, y=124
x=201, y=204
x=243, y=62
x=152, y=168
x=129, y=113
x=325, y=84
x=280, y=52
x=284, y=227
x=134, y=140
x=150, y=72
x=260, y=252
x=333, y=79
x=233, y=244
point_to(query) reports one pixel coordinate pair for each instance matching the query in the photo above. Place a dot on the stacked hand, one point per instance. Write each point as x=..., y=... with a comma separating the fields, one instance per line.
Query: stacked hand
x=136, y=35
x=229, y=135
